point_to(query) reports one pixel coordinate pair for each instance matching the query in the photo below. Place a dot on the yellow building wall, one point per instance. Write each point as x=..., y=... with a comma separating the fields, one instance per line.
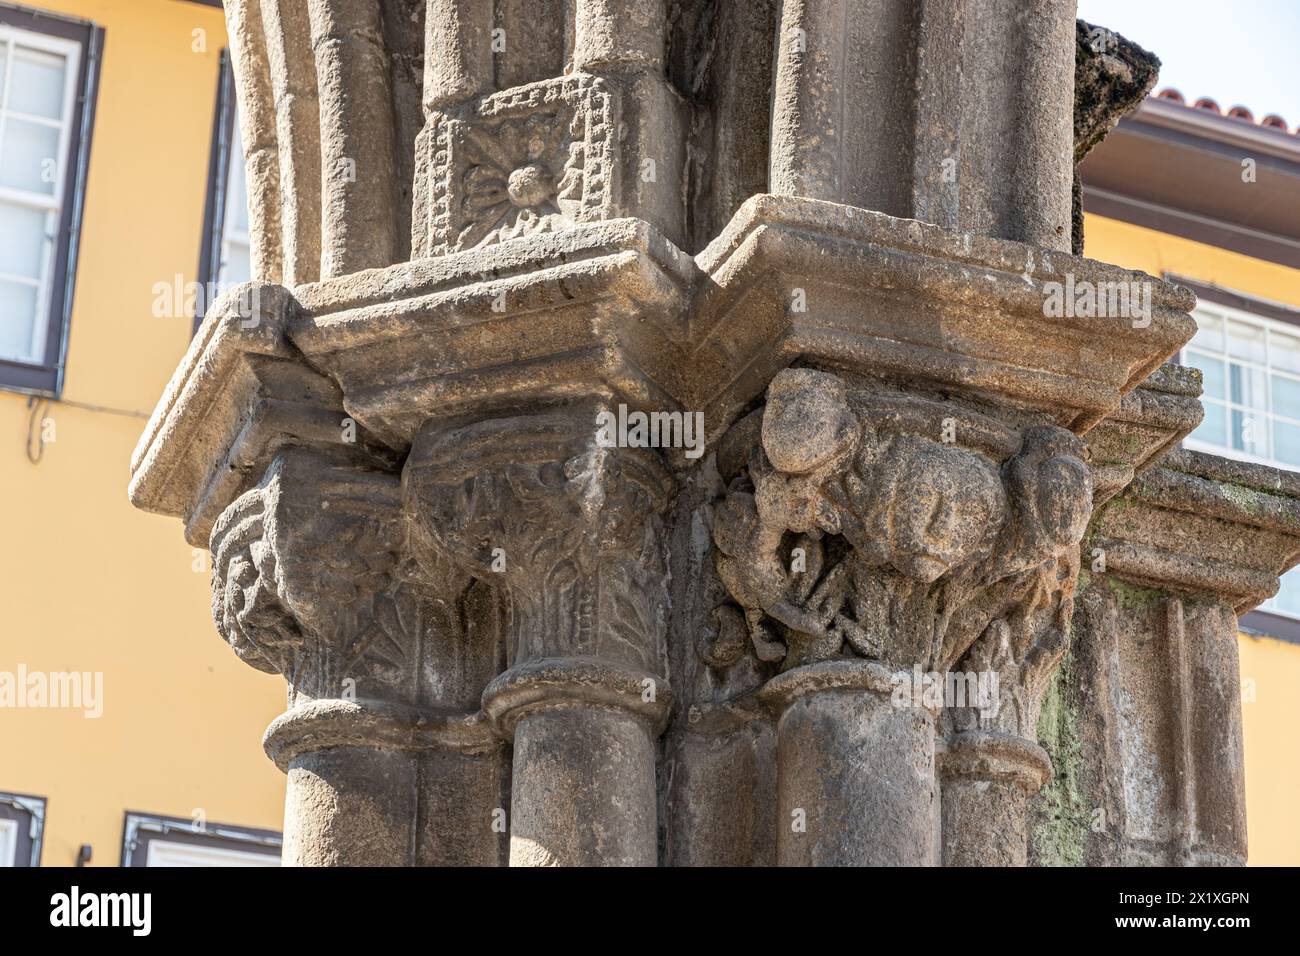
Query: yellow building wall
x=1270, y=669
x=1270, y=674
x=88, y=582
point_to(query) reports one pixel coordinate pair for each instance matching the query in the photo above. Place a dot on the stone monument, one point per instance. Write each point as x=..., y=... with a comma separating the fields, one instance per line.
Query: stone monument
x=667, y=432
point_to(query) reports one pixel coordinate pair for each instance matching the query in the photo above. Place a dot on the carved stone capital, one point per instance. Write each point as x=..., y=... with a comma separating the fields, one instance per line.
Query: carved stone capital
x=571, y=528
x=307, y=581
x=895, y=527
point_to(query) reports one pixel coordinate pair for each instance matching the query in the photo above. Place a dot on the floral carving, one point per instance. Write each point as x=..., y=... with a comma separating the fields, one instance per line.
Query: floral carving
x=571, y=528
x=307, y=578
x=532, y=159
x=521, y=178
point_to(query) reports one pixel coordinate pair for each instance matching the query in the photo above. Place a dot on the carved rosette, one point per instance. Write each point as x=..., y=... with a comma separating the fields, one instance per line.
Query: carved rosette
x=307, y=579
x=571, y=528
x=531, y=159
x=899, y=529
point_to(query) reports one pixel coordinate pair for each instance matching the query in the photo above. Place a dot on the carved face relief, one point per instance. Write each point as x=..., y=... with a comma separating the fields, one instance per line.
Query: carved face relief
x=868, y=530
x=1051, y=488
x=931, y=508
x=808, y=427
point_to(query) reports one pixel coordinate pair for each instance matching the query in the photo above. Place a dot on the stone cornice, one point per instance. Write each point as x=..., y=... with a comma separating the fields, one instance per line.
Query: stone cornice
x=240, y=394
x=611, y=311
x=913, y=303
x=595, y=311
x=1203, y=524
x=1150, y=420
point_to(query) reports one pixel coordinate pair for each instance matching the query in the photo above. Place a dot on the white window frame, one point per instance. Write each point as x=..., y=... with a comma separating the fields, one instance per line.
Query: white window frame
x=168, y=853
x=51, y=205
x=1269, y=326
x=236, y=192
x=8, y=843
x=30, y=817
x=152, y=840
x=1266, y=368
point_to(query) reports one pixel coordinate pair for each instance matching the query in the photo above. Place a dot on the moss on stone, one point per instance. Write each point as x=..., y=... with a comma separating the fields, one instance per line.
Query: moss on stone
x=1247, y=499
x=1062, y=819
x=1132, y=597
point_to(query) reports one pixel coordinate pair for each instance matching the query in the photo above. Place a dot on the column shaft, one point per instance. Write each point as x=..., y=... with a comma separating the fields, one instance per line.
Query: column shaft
x=373, y=784
x=988, y=781
x=855, y=773
x=358, y=174
x=583, y=790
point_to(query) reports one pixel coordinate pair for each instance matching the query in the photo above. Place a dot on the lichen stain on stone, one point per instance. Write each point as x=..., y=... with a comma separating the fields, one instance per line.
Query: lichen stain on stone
x=1132, y=597
x=1061, y=813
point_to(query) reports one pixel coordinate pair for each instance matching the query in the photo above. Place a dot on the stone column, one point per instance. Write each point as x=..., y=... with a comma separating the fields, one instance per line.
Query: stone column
x=855, y=772
x=292, y=69
x=952, y=111
x=569, y=526
x=308, y=582
x=359, y=186
x=584, y=790
x=938, y=542
x=257, y=132
x=1156, y=688
x=989, y=779
x=991, y=764
x=908, y=501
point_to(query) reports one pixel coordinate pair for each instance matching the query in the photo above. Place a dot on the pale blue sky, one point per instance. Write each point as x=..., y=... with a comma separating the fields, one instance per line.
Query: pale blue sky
x=1234, y=51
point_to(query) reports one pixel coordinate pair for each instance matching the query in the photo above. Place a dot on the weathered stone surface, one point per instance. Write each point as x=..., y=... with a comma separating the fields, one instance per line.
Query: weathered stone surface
x=1112, y=76
x=258, y=132
x=950, y=112
x=710, y=486
x=308, y=581
x=914, y=304
x=1150, y=420
x=1152, y=705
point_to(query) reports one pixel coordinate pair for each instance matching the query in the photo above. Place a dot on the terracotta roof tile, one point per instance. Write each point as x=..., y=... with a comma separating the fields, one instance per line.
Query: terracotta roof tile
x=1272, y=120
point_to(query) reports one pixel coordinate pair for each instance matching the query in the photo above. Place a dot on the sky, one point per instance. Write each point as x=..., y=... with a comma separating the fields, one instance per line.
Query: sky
x=1237, y=52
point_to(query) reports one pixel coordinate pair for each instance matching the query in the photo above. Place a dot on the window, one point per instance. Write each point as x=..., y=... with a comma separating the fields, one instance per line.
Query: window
x=1251, y=368
x=22, y=827
x=236, y=262
x=47, y=80
x=225, y=259
x=167, y=841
